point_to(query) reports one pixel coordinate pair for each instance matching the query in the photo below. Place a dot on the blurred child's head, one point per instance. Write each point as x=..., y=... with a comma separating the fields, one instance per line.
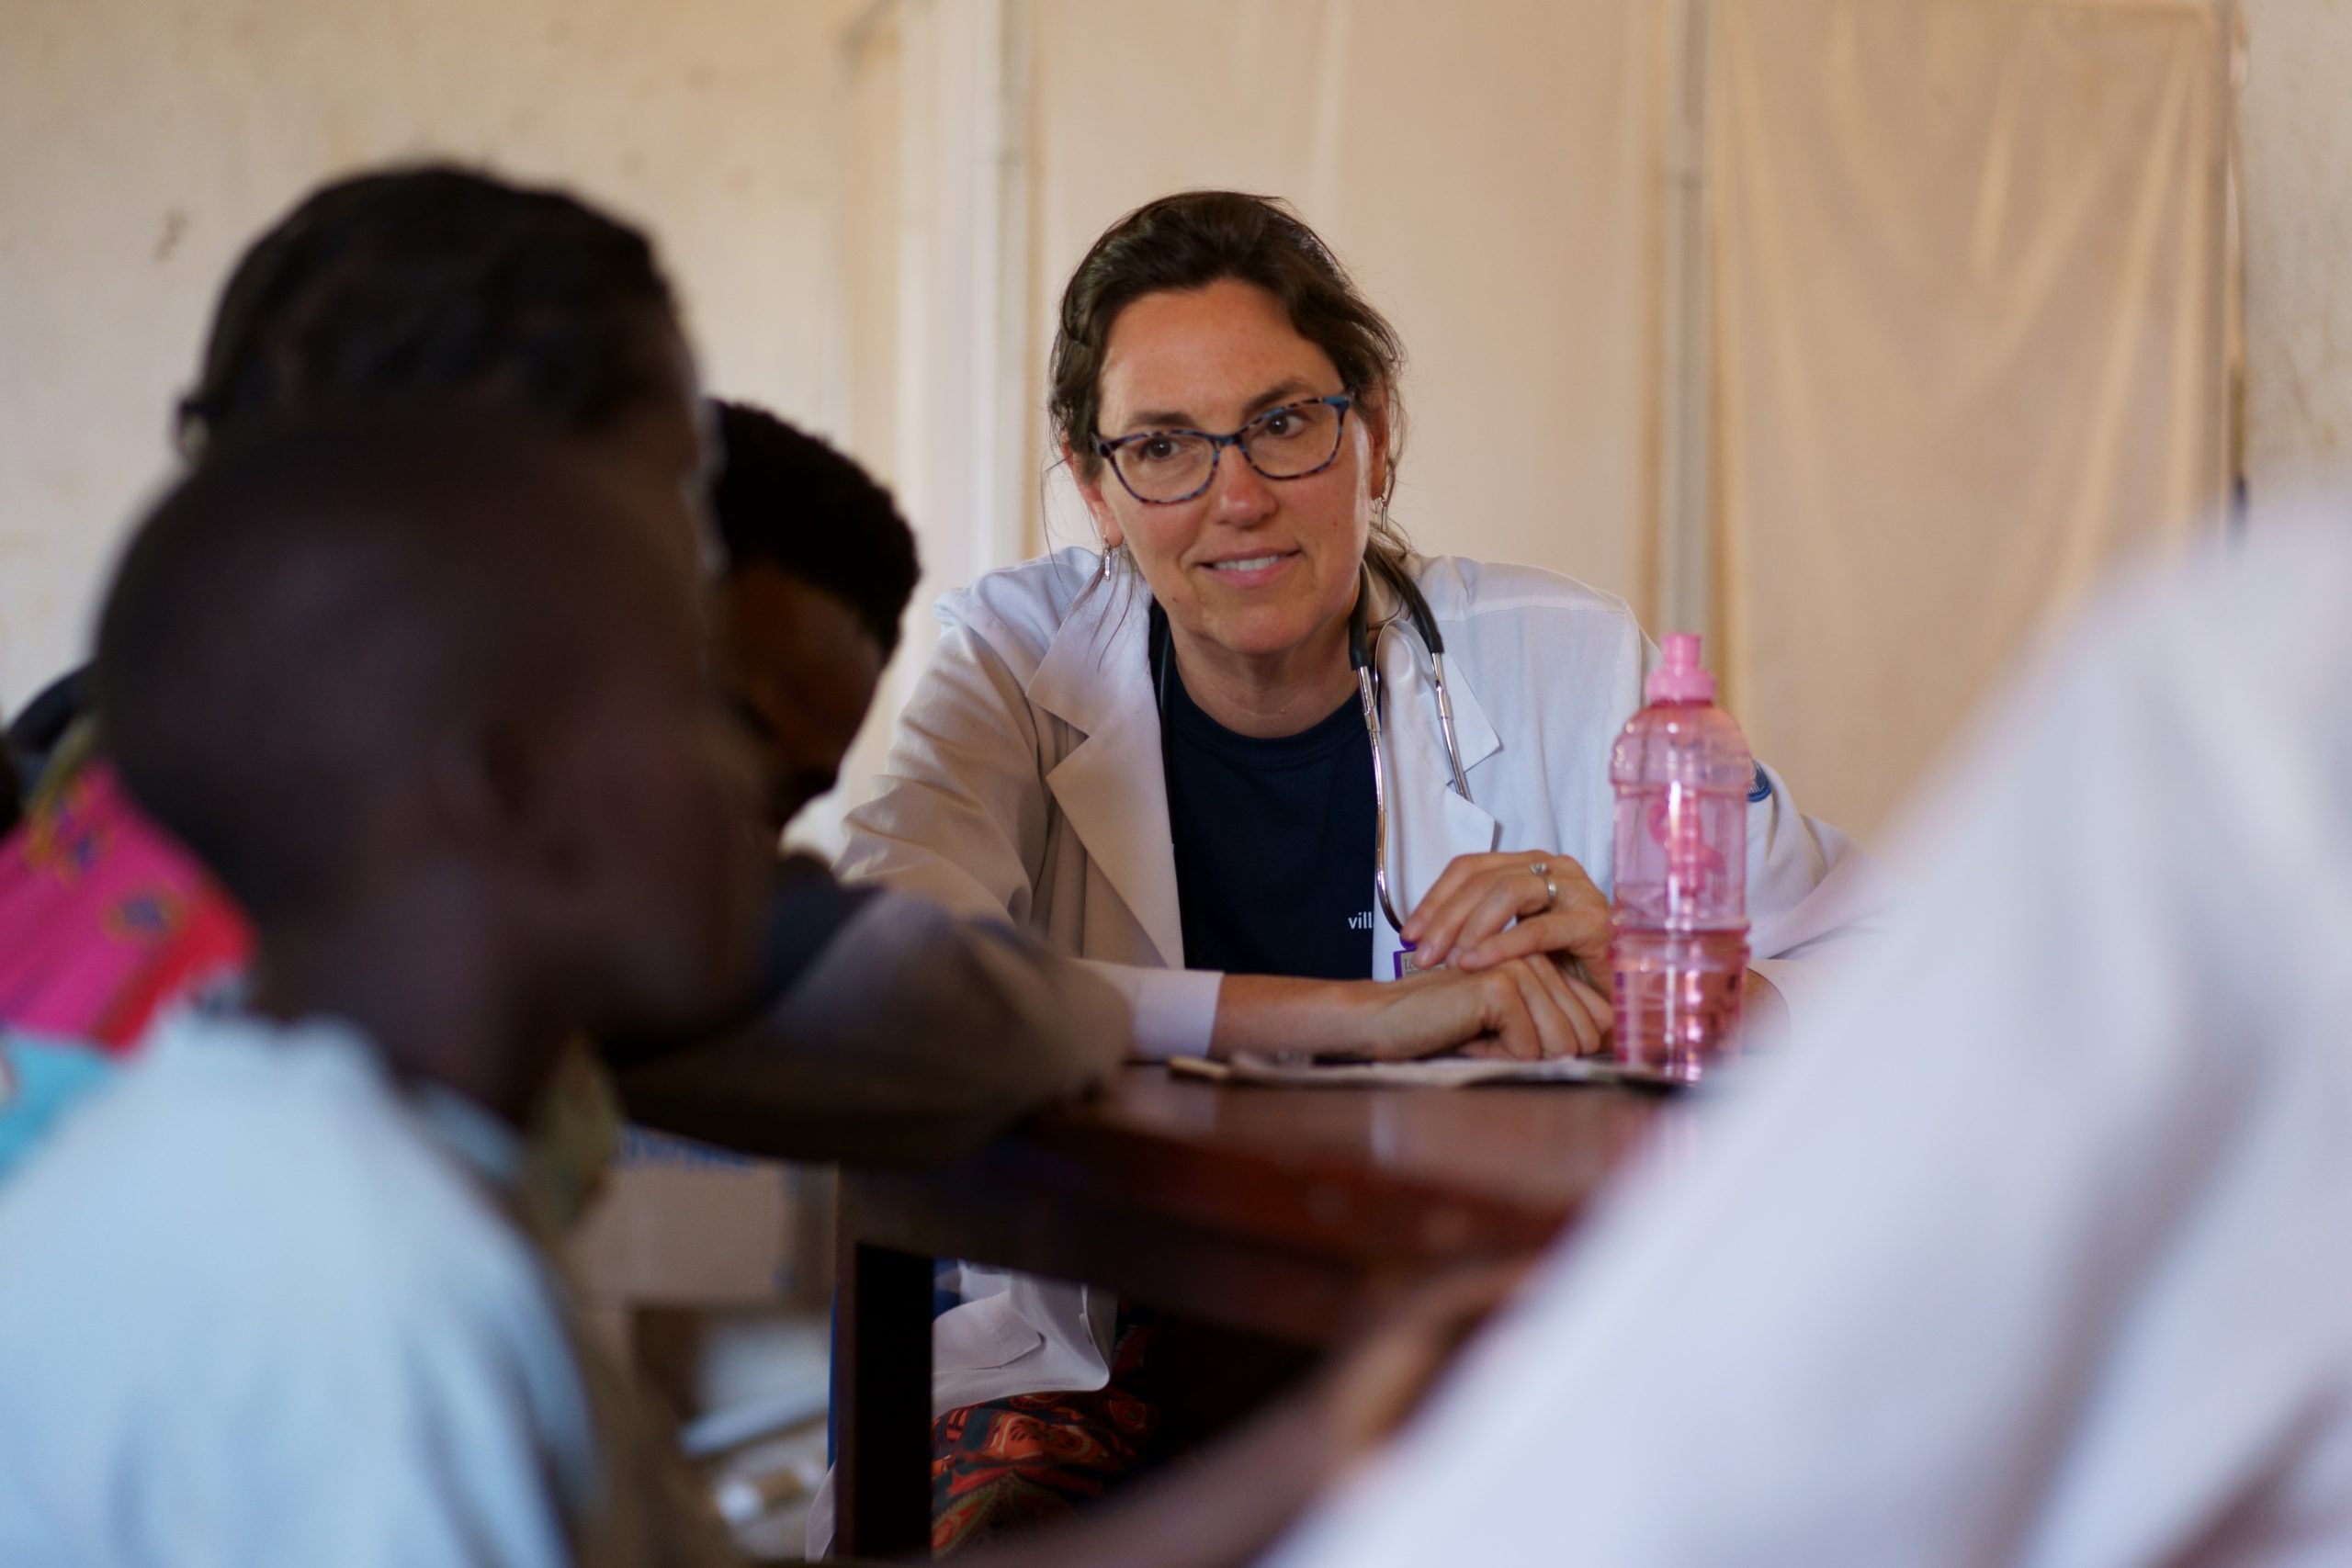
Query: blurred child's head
x=336, y=663
x=436, y=287
x=819, y=569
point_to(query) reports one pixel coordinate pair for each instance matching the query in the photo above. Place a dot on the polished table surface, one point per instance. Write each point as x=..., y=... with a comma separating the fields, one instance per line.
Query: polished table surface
x=1285, y=1212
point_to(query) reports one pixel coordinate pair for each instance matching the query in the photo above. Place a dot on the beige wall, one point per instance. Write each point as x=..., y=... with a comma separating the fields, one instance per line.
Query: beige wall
x=1486, y=172
x=2295, y=130
x=1970, y=265
x=806, y=167
x=146, y=140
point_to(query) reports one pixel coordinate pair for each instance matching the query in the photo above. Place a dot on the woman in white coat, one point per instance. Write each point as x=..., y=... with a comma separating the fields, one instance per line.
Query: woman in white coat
x=1155, y=757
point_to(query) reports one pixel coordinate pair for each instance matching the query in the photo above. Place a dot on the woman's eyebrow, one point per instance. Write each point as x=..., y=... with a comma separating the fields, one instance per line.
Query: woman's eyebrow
x=1281, y=392
x=1163, y=419
x=1159, y=419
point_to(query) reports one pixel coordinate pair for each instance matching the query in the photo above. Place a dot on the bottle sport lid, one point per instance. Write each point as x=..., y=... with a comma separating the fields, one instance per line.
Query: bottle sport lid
x=1681, y=678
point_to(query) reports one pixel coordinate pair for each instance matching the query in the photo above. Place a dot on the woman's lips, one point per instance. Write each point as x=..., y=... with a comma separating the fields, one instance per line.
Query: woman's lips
x=1245, y=572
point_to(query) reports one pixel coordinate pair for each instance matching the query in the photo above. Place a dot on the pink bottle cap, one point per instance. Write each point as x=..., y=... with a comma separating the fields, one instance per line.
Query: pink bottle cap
x=1680, y=678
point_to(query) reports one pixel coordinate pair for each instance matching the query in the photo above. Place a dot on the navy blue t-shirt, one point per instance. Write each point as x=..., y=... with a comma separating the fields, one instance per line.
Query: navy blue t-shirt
x=1274, y=844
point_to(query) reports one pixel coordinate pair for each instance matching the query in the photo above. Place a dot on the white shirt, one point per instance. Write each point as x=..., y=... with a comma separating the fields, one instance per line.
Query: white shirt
x=257, y=1307
x=2036, y=1252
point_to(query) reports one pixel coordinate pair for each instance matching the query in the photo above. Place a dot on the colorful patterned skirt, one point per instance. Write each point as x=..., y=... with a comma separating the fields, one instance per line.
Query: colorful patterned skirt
x=1037, y=1457
x=1177, y=1384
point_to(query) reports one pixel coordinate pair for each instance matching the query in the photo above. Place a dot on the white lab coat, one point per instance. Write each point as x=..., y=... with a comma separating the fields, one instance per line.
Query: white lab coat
x=2036, y=1254
x=1026, y=779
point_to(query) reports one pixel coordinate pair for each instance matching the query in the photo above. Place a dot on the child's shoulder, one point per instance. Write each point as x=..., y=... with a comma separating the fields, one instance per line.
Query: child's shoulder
x=285, y=1182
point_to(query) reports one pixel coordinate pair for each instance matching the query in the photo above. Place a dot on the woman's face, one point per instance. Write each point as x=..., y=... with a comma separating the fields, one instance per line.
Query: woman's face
x=1251, y=566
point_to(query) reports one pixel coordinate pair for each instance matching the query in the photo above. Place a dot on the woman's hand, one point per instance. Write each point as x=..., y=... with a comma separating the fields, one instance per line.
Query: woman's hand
x=1461, y=921
x=1522, y=1008
x=1466, y=923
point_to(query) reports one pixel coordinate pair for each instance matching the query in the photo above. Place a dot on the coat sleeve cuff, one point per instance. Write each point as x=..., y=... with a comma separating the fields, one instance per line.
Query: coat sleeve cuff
x=1175, y=1009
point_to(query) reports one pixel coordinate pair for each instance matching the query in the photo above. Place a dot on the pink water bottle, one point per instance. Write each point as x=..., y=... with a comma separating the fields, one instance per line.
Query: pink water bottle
x=1679, y=942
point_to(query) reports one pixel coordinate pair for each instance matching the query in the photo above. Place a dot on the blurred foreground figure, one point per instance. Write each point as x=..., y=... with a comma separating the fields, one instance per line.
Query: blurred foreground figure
x=2059, y=1276
x=877, y=1027
x=273, y=1298
x=392, y=292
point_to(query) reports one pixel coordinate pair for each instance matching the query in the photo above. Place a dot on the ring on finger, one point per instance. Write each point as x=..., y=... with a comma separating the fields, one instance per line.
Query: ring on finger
x=1540, y=871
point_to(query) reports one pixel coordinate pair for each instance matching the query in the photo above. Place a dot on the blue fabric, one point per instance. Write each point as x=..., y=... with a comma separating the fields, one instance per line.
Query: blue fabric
x=1273, y=843
x=270, y=1296
x=41, y=1080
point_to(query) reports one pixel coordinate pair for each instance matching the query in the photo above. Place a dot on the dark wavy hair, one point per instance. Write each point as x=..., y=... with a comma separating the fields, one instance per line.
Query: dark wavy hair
x=1194, y=239
x=422, y=287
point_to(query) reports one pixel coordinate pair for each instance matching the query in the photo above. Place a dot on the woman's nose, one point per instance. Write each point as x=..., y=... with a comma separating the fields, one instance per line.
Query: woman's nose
x=1240, y=494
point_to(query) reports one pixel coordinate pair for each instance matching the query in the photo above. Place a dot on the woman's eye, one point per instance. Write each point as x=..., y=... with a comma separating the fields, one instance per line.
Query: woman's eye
x=1281, y=423
x=1159, y=449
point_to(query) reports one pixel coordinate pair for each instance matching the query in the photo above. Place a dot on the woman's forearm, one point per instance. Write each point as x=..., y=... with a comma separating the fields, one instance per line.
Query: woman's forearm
x=1275, y=1015
x=1270, y=1014
x=1518, y=1009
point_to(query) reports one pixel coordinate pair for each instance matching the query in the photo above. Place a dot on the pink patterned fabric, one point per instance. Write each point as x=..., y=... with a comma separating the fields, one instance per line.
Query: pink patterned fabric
x=103, y=918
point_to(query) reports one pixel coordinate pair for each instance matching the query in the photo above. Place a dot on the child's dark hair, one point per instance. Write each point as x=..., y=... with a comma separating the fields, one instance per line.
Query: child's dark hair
x=435, y=285
x=294, y=618
x=1189, y=240
x=786, y=497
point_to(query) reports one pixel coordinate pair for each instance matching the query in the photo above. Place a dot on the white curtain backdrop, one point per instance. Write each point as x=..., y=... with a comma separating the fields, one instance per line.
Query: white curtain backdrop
x=1971, y=272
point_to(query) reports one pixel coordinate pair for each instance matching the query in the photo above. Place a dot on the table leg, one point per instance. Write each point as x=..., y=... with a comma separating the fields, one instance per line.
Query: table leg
x=883, y=1485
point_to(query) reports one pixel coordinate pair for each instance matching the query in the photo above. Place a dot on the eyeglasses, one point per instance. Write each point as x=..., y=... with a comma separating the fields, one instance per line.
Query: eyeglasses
x=1161, y=468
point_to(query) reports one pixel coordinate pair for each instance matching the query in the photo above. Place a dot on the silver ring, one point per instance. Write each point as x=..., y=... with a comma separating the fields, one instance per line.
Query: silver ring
x=1550, y=894
x=1539, y=867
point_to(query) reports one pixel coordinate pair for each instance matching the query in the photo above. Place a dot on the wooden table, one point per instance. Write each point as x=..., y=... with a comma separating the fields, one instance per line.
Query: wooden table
x=1282, y=1211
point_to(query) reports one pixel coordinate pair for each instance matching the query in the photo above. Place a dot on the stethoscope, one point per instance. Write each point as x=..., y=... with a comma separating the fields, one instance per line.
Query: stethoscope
x=1363, y=649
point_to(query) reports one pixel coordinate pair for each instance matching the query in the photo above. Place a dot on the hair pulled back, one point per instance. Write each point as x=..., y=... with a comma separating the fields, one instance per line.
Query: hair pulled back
x=1189, y=240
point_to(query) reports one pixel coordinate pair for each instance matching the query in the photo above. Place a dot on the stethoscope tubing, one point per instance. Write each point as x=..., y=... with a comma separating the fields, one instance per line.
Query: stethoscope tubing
x=1364, y=647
